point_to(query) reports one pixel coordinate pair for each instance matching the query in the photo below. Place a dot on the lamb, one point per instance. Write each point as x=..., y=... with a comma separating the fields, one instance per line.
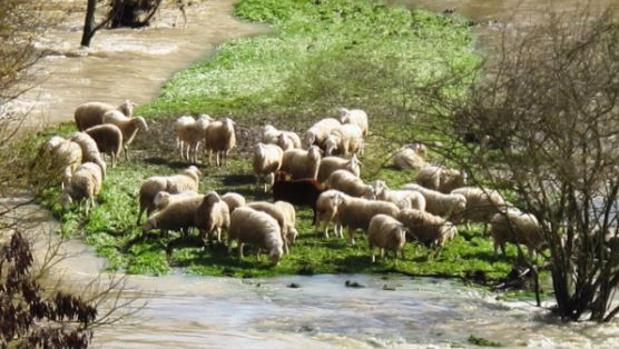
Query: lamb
x=188, y=180
x=402, y=198
x=301, y=192
x=449, y=206
x=64, y=156
x=128, y=126
x=516, y=227
x=109, y=140
x=481, y=204
x=410, y=157
x=279, y=215
x=442, y=179
x=291, y=220
x=83, y=185
x=179, y=215
x=330, y=164
x=90, y=114
x=267, y=161
x=233, y=200
x=191, y=135
x=318, y=133
x=345, y=140
x=258, y=228
x=356, y=117
x=386, y=233
x=302, y=163
x=90, y=151
x=326, y=212
x=212, y=216
x=163, y=199
x=348, y=183
x=427, y=228
x=220, y=139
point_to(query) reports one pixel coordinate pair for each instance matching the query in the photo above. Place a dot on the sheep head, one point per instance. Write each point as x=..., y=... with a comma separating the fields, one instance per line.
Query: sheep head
x=284, y=142
x=314, y=153
x=276, y=254
x=141, y=123
x=126, y=107
x=162, y=199
x=309, y=139
x=354, y=165
x=331, y=144
x=193, y=172
x=344, y=115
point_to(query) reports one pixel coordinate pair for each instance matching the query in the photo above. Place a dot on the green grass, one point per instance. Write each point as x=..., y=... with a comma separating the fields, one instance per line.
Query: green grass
x=319, y=56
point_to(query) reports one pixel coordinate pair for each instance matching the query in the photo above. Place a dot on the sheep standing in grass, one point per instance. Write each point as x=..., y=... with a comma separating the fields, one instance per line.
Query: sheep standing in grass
x=284, y=139
x=330, y=164
x=355, y=117
x=64, y=156
x=270, y=134
x=516, y=227
x=348, y=183
x=109, y=139
x=90, y=151
x=179, y=124
x=257, y=228
x=427, y=228
x=179, y=215
x=302, y=163
x=411, y=156
x=326, y=212
x=449, y=206
x=128, y=126
x=220, y=139
x=163, y=199
x=481, y=204
x=83, y=185
x=233, y=200
x=345, y=140
x=90, y=114
x=291, y=220
x=267, y=160
x=439, y=178
x=386, y=233
x=279, y=215
x=188, y=180
x=191, y=135
x=300, y=192
x=212, y=216
x=318, y=133
x=402, y=198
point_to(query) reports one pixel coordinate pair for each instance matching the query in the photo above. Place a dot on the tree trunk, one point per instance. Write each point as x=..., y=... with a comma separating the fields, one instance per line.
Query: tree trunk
x=89, y=23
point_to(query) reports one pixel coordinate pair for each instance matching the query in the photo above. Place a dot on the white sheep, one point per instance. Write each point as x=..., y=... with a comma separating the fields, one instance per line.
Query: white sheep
x=356, y=117
x=188, y=180
x=318, y=133
x=326, y=212
x=348, y=183
x=440, y=178
x=386, y=233
x=291, y=220
x=179, y=215
x=302, y=163
x=128, y=125
x=516, y=227
x=481, y=204
x=280, y=216
x=449, y=206
x=233, y=200
x=330, y=164
x=83, y=185
x=179, y=124
x=109, y=139
x=284, y=139
x=191, y=135
x=267, y=160
x=163, y=199
x=257, y=228
x=90, y=150
x=270, y=134
x=402, y=198
x=212, y=216
x=428, y=229
x=62, y=155
x=90, y=114
x=412, y=156
x=220, y=139
x=345, y=140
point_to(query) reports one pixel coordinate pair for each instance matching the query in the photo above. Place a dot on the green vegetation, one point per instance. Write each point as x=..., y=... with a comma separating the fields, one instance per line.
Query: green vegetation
x=483, y=342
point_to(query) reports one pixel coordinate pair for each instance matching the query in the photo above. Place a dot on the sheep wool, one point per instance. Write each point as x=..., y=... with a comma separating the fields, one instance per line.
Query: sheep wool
x=257, y=228
x=449, y=206
x=356, y=117
x=90, y=114
x=212, y=216
x=428, y=229
x=348, y=183
x=516, y=227
x=83, y=185
x=90, y=151
x=356, y=213
x=163, y=199
x=442, y=179
x=191, y=134
x=109, y=140
x=330, y=164
x=220, y=138
x=275, y=212
x=410, y=157
x=388, y=234
x=318, y=133
x=402, y=198
x=481, y=203
x=302, y=163
x=179, y=215
x=233, y=200
x=267, y=160
x=129, y=126
x=326, y=212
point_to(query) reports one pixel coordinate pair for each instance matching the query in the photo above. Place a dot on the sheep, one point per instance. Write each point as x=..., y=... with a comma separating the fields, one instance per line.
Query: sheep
x=428, y=229
x=516, y=227
x=258, y=228
x=279, y=215
x=220, y=139
x=186, y=181
x=109, y=139
x=302, y=163
x=330, y=164
x=356, y=117
x=179, y=124
x=346, y=140
x=213, y=215
x=318, y=133
x=481, y=204
x=326, y=212
x=233, y=200
x=291, y=220
x=267, y=160
x=90, y=114
x=90, y=151
x=83, y=185
x=449, y=206
x=439, y=178
x=179, y=215
x=270, y=134
x=191, y=134
x=402, y=198
x=163, y=199
x=284, y=139
x=62, y=155
x=410, y=157
x=301, y=192
x=128, y=126
x=348, y=183
x=386, y=233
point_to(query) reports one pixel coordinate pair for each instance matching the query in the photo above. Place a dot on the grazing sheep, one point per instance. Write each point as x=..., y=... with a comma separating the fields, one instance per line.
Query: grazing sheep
x=481, y=204
x=410, y=157
x=233, y=200
x=90, y=151
x=220, y=139
x=291, y=220
x=427, y=228
x=284, y=139
x=516, y=227
x=179, y=215
x=386, y=233
x=64, y=156
x=326, y=212
x=83, y=185
x=191, y=135
x=90, y=114
x=270, y=134
x=186, y=181
x=449, y=206
x=257, y=228
x=212, y=216
x=163, y=199
x=318, y=133
x=439, y=178
x=109, y=139
x=279, y=215
x=345, y=140
x=302, y=163
x=402, y=198
x=356, y=117
x=128, y=125
x=179, y=124
x=330, y=164
x=267, y=161
x=348, y=183
x=301, y=192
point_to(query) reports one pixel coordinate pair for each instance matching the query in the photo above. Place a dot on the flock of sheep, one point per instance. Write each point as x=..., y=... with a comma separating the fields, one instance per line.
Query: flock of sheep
x=321, y=170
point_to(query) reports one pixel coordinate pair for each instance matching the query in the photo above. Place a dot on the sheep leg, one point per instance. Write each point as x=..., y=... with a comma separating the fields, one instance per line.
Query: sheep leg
x=382, y=253
x=241, y=245
x=351, y=237
x=257, y=254
x=126, y=148
x=401, y=254
x=218, y=230
x=373, y=254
